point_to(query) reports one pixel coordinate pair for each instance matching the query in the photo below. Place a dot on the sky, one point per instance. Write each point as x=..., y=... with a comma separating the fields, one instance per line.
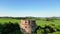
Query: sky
x=34, y=8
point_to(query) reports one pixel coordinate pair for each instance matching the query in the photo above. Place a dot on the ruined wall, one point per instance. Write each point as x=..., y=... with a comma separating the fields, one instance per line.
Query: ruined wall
x=28, y=26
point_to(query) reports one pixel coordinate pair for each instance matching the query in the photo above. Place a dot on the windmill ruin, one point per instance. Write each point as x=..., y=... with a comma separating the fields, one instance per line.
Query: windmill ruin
x=27, y=26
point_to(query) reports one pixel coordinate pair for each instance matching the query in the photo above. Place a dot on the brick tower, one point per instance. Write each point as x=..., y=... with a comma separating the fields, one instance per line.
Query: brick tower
x=27, y=26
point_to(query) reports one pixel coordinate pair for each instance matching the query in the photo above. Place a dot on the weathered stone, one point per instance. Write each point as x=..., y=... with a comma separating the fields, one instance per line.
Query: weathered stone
x=27, y=26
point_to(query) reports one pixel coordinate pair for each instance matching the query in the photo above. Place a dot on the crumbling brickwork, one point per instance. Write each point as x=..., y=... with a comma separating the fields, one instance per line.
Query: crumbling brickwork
x=28, y=26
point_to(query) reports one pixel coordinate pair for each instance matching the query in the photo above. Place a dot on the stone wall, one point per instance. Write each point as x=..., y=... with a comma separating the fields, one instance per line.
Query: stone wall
x=27, y=26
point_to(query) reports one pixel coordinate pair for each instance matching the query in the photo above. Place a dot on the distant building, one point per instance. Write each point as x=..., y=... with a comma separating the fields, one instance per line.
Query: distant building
x=27, y=26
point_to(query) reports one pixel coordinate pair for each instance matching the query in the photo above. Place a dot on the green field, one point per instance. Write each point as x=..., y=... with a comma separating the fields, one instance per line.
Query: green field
x=7, y=20
x=39, y=22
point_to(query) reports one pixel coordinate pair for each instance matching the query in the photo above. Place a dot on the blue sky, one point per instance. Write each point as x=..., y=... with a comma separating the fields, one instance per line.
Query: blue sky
x=35, y=8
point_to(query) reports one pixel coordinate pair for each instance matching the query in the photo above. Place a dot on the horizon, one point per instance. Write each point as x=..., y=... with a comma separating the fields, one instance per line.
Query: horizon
x=34, y=8
x=28, y=16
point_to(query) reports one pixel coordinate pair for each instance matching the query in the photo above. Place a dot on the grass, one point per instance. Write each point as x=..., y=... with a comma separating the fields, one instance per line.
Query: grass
x=56, y=32
x=42, y=23
x=6, y=20
x=38, y=22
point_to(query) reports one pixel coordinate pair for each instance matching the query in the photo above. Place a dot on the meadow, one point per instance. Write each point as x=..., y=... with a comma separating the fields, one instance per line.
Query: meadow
x=7, y=20
x=39, y=21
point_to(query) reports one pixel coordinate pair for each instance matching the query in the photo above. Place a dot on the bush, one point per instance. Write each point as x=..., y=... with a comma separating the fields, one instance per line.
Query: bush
x=10, y=28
